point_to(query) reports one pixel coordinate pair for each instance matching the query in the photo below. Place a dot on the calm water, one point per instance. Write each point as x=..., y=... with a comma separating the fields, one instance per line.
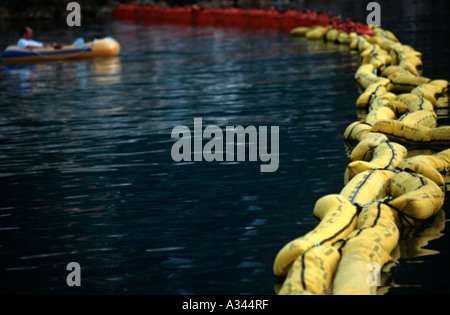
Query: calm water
x=86, y=173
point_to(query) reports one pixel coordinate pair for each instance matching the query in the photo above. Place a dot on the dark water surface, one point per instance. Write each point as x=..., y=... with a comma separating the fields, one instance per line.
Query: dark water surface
x=86, y=173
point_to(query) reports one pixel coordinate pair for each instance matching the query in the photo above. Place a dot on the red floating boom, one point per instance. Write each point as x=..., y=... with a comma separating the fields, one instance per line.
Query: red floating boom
x=233, y=17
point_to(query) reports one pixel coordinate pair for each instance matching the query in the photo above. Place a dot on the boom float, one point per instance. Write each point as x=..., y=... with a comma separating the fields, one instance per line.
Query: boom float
x=387, y=188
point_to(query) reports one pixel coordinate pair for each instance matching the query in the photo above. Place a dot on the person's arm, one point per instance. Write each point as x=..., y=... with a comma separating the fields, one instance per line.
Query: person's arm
x=53, y=45
x=32, y=44
x=33, y=47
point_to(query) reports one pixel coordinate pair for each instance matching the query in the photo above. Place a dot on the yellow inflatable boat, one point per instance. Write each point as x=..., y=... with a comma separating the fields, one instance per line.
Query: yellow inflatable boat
x=105, y=47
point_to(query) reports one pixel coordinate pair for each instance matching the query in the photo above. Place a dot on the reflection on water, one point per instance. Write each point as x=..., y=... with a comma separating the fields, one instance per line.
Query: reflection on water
x=33, y=78
x=413, y=242
x=107, y=71
x=412, y=250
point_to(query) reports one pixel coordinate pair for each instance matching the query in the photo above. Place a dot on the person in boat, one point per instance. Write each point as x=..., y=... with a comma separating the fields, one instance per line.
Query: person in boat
x=26, y=40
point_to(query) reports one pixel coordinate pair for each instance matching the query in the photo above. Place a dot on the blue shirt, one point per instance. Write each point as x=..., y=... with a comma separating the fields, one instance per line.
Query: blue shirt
x=23, y=43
